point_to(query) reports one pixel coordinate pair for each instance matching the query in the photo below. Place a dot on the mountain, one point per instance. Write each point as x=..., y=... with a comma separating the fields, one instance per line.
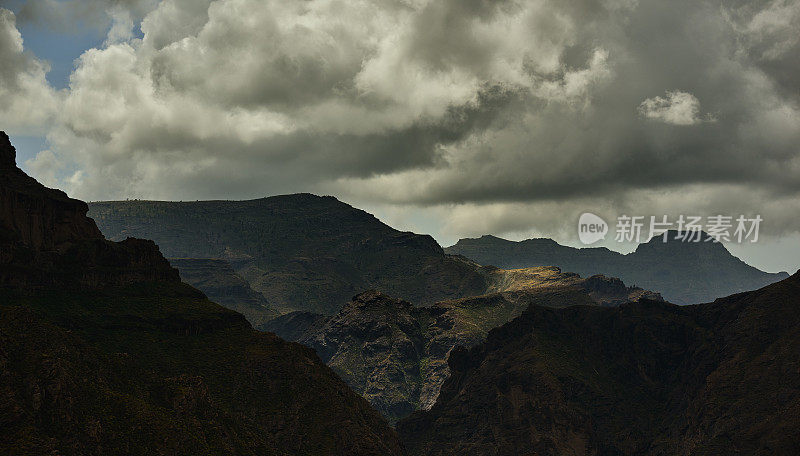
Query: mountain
x=394, y=354
x=683, y=272
x=217, y=279
x=301, y=252
x=644, y=378
x=103, y=350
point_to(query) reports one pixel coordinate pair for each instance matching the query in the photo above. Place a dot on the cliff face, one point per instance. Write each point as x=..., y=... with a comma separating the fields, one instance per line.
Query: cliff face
x=394, y=354
x=46, y=240
x=302, y=252
x=34, y=216
x=104, y=350
x=643, y=378
x=683, y=272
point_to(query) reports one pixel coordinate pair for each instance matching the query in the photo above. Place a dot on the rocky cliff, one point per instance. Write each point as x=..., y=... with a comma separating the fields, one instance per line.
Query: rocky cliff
x=103, y=350
x=34, y=216
x=646, y=378
x=46, y=240
x=683, y=272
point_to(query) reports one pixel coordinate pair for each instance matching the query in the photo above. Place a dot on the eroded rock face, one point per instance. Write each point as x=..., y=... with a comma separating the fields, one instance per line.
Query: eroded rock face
x=395, y=354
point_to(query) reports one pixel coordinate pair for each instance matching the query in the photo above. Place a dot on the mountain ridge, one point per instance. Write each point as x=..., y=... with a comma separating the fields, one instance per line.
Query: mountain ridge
x=394, y=354
x=302, y=252
x=683, y=272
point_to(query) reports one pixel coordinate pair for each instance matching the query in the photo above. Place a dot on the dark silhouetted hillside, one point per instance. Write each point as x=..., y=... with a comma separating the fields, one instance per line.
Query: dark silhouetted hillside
x=645, y=378
x=103, y=350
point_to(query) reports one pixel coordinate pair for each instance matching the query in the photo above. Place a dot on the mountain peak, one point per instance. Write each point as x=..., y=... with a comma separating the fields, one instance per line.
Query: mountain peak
x=8, y=154
x=684, y=243
x=682, y=236
x=41, y=228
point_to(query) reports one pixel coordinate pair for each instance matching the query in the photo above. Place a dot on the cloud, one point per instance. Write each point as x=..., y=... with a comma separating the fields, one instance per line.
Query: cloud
x=677, y=108
x=67, y=16
x=27, y=100
x=45, y=165
x=525, y=110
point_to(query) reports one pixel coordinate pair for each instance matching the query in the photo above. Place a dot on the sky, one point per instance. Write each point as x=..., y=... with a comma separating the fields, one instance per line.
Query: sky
x=456, y=118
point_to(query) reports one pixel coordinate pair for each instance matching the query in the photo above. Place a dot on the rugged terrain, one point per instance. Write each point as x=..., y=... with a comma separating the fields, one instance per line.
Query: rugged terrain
x=683, y=272
x=103, y=350
x=645, y=378
x=301, y=252
x=395, y=354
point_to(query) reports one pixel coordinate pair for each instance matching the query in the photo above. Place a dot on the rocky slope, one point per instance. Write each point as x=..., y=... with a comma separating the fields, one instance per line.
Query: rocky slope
x=103, y=350
x=646, y=378
x=217, y=279
x=683, y=272
x=302, y=252
x=394, y=354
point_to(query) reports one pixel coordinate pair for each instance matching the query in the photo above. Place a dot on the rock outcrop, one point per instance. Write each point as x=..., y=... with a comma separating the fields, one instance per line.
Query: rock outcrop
x=46, y=240
x=395, y=354
x=34, y=216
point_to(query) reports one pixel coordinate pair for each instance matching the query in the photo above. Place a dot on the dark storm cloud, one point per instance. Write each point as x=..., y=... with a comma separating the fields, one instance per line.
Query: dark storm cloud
x=309, y=155
x=747, y=132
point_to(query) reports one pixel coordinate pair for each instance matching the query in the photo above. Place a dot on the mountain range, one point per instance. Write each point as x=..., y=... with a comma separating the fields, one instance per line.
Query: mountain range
x=682, y=272
x=395, y=354
x=103, y=350
x=301, y=252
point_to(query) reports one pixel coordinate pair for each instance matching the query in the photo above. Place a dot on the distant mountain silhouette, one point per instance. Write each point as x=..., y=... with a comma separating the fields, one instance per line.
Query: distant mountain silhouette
x=683, y=272
x=103, y=350
x=302, y=252
x=645, y=378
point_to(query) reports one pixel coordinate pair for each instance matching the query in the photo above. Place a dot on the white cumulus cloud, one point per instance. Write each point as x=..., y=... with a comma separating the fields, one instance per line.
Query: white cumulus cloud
x=27, y=102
